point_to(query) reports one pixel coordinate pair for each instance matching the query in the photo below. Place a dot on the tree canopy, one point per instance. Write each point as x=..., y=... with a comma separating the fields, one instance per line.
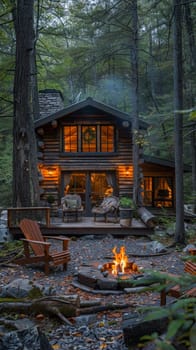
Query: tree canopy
x=83, y=49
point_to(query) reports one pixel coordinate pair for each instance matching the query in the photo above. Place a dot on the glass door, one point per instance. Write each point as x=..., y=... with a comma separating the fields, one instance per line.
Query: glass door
x=99, y=186
x=102, y=184
x=91, y=186
x=75, y=183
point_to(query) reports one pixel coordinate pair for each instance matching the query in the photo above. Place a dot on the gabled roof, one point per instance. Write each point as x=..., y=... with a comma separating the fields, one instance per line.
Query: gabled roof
x=89, y=102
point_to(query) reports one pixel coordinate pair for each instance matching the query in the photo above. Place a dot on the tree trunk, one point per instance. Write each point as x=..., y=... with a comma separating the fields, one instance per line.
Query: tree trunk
x=192, y=47
x=25, y=175
x=190, y=32
x=134, y=100
x=193, y=152
x=178, y=122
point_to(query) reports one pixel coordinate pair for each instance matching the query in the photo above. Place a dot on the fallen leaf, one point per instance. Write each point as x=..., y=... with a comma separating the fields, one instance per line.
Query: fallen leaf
x=77, y=334
x=40, y=317
x=56, y=346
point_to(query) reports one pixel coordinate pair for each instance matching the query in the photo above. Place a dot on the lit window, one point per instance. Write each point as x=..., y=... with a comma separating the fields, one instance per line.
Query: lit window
x=70, y=139
x=89, y=138
x=158, y=191
x=107, y=138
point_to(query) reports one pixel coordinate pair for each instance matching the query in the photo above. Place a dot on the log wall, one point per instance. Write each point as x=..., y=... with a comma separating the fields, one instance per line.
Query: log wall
x=52, y=161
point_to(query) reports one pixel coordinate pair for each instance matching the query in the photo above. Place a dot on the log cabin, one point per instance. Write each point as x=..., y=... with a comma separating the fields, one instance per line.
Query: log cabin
x=86, y=148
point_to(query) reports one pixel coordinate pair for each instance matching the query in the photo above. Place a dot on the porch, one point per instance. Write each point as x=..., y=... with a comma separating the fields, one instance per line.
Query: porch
x=54, y=225
x=87, y=226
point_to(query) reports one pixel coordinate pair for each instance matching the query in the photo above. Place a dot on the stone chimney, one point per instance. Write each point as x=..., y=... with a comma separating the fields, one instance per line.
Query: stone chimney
x=50, y=101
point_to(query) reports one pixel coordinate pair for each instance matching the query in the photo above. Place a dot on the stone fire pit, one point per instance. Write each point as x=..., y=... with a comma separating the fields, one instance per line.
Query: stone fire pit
x=97, y=276
x=118, y=275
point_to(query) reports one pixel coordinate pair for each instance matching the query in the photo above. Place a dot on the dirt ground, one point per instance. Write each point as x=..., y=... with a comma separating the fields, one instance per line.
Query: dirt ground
x=90, y=249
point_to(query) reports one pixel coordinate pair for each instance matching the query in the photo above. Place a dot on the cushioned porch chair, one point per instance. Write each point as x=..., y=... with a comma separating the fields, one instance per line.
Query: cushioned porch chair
x=109, y=205
x=37, y=249
x=72, y=206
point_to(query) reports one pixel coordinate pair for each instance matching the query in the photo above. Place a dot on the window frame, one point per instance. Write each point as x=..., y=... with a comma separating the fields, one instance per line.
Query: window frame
x=98, y=137
x=155, y=199
x=64, y=141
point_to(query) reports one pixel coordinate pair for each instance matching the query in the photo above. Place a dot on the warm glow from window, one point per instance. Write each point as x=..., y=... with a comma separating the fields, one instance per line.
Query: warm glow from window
x=107, y=138
x=70, y=138
x=158, y=191
x=88, y=138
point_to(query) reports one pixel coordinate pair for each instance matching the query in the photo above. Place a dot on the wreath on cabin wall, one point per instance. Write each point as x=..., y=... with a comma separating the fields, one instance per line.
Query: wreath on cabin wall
x=89, y=134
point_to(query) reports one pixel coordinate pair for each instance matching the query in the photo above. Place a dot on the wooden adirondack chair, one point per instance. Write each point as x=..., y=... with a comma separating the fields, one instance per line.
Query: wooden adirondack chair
x=35, y=242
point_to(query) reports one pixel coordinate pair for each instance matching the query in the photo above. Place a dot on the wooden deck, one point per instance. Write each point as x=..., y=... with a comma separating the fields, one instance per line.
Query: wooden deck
x=87, y=226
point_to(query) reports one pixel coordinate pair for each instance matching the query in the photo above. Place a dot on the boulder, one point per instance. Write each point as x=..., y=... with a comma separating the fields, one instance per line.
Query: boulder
x=26, y=339
x=23, y=287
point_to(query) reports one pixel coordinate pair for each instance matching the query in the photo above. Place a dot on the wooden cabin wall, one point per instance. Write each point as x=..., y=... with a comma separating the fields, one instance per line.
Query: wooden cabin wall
x=52, y=161
x=48, y=162
x=124, y=163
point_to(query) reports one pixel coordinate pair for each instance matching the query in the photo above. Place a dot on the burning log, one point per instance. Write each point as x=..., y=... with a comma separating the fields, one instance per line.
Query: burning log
x=110, y=276
x=120, y=265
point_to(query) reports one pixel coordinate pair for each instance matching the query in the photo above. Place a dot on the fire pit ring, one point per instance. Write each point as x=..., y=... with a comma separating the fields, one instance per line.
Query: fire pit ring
x=116, y=275
x=97, y=277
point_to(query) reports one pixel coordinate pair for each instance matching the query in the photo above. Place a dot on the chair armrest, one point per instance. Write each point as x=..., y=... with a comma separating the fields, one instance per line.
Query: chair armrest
x=80, y=208
x=35, y=242
x=57, y=238
x=64, y=240
x=68, y=209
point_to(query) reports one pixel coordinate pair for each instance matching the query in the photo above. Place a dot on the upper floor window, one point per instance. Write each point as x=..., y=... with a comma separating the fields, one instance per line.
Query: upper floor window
x=89, y=138
x=70, y=138
x=107, y=138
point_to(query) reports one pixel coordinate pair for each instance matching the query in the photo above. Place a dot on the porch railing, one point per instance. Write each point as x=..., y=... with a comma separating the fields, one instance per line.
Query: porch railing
x=39, y=214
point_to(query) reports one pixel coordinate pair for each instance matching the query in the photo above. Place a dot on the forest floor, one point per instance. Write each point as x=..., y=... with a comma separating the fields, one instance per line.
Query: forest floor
x=90, y=249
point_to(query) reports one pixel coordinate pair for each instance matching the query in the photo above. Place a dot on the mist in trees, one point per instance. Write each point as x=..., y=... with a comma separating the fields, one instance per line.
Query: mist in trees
x=83, y=49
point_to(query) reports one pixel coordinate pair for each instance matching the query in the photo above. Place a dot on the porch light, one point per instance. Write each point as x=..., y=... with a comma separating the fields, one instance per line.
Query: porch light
x=127, y=171
x=51, y=171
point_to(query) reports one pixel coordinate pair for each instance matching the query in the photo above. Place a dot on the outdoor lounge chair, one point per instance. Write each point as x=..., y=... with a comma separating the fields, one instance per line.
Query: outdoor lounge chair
x=72, y=206
x=109, y=205
x=37, y=249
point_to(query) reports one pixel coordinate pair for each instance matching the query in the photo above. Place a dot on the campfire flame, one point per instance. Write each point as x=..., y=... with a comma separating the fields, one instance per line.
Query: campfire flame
x=120, y=260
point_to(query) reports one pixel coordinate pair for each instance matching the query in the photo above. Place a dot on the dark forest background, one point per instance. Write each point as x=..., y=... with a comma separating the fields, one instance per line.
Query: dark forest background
x=83, y=48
